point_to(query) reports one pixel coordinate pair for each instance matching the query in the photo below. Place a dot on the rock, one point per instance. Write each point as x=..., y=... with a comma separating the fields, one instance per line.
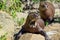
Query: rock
x=7, y=25
x=53, y=27
x=29, y=36
x=57, y=13
x=55, y=37
x=53, y=31
x=19, y=16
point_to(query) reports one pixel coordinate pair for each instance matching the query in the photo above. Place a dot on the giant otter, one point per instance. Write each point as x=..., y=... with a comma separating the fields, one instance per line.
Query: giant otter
x=33, y=24
x=47, y=11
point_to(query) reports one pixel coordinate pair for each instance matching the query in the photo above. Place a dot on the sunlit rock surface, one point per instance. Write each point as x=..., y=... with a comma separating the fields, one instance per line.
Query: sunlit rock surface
x=30, y=36
x=7, y=25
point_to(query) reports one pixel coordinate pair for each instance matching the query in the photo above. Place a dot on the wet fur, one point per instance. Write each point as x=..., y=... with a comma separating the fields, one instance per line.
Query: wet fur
x=47, y=14
x=33, y=24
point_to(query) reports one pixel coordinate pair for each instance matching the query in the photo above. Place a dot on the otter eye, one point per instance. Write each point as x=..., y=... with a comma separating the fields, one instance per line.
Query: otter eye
x=32, y=23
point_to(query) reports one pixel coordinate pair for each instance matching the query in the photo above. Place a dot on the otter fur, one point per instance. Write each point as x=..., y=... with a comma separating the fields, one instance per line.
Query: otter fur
x=33, y=24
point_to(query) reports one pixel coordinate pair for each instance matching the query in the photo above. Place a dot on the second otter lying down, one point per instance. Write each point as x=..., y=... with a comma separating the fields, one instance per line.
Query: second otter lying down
x=33, y=24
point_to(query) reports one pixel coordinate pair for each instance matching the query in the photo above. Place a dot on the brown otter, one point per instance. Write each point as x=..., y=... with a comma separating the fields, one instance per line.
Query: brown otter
x=33, y=24
x=47, y=11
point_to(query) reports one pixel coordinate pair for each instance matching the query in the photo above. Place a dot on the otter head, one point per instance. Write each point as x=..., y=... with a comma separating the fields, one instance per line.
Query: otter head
x=43, y=6
x=32, y=17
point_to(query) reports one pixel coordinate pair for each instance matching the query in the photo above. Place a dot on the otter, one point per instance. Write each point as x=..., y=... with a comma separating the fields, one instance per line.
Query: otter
x=33, y=24
x=47, y=11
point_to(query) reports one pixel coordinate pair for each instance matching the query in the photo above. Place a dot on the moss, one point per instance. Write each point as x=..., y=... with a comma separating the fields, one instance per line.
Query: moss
x=3, y=37
x=20, y=21
x=46, y=23
x=0, y=26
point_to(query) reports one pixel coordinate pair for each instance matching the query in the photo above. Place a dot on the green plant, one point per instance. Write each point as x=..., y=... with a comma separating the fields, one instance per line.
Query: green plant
x=46, y=23
x=56, y=1
x=2, y=5
x=36, y=1
x=20, y=21
x=0, y=26
x=13, y=8
x=16, y=5
x=13, y=13
x=3, y=37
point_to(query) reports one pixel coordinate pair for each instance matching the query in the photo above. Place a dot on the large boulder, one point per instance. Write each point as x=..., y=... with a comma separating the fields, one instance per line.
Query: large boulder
x=53, y=27
x=53, y=31
x=29, y=36
x=6, y=25
x=55, y=36
x=19, y=16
